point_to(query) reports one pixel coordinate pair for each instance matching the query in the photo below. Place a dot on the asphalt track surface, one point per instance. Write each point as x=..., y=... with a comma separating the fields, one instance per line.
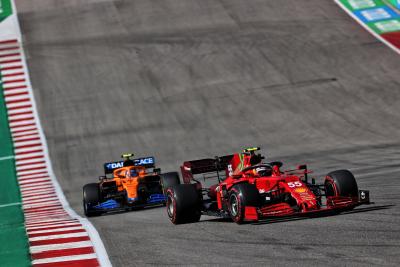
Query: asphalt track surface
x=188, y=79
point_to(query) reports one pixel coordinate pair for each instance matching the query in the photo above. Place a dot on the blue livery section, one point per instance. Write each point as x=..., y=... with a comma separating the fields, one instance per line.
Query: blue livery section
x=148, y=162
x=157, y=198
x=109, y=204
x=376, y=14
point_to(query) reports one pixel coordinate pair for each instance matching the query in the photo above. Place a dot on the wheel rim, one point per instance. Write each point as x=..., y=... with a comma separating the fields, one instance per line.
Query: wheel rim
x=170, y=206
x=234, y=203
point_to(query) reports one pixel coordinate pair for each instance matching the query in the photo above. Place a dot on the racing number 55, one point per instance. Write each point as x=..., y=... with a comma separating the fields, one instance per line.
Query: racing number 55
x=294, y=184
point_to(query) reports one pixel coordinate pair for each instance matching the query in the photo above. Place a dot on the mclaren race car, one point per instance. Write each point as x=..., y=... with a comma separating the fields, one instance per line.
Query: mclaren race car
x=127, y=184
x=245, y=188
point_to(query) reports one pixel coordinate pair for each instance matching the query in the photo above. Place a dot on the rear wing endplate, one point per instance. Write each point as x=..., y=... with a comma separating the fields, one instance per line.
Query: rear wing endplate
x=190, y=168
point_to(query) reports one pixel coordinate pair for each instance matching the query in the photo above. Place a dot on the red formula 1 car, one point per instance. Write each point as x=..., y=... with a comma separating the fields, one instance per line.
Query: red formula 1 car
x=249, y=189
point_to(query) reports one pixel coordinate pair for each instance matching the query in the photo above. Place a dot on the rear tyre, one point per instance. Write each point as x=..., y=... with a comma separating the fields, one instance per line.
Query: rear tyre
x=91, y=197
x=183, y=204
x=240, y=196
x=169, y=179
x=341, y=183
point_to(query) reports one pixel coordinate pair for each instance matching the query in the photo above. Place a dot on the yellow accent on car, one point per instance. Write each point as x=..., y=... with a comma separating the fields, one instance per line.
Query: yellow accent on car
x=300, y=190
x=127, y=155
x=251, y=149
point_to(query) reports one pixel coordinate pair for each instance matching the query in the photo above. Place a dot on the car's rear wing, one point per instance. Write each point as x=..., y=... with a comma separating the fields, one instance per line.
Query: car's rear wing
x=202, y=166
x=147, y=162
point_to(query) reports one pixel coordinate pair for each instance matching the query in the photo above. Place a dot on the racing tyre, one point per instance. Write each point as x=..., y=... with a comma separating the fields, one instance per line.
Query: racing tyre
x=341, y=183
x=240, y=196
x=169, y=179
x=183, y=204
x=91, y=197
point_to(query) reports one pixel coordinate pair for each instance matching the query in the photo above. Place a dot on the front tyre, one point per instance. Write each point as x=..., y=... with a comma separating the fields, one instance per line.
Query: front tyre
x=91, y=197
x=341, y=183
x=183, y=204
x=240, y=196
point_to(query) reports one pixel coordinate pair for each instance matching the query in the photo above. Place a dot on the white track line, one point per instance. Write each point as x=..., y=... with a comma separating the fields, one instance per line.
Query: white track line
x=55, y=227
x=10, y=205
x=50, y=222
x=7, y=158
x=56, y=230
x=43, y=248
x=66, y=258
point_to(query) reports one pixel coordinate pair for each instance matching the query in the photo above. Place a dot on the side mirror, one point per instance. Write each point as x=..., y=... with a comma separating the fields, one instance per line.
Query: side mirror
x=302, y=167
x=101, y=178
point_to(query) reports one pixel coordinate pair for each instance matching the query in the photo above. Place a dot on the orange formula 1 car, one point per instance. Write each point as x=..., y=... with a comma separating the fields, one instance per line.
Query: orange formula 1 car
x=127, y=184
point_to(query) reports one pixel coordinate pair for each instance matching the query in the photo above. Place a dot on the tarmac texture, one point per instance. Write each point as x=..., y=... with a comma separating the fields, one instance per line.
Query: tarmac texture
x=183, y=80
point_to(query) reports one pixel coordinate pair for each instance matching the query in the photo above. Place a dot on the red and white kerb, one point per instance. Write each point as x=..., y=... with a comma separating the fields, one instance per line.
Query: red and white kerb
x=57, y=236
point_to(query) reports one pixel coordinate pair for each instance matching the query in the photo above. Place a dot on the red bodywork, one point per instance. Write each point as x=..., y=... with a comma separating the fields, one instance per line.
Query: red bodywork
x=302, y=197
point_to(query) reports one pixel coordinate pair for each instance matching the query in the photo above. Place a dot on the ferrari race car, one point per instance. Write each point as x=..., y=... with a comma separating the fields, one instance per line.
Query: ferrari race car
x=245, y=188
x=127, y=184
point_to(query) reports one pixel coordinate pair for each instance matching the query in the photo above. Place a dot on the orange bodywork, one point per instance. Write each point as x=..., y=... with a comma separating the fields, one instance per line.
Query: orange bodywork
x=128, y=178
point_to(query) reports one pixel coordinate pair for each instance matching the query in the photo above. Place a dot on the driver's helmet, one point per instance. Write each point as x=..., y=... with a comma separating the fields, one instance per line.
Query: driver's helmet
x=263, y=171
x=128, y=162
x=133, y=173
x=255, y=159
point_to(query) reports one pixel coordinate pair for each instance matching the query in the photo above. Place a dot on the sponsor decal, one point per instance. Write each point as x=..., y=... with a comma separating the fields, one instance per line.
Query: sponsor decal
x=376, y=14
x=144, y=161
x=380, y=17
x=388, y=26
x=5, y=9
x=230, y=170
x=360, y=4
x=306, y=196
x=148, y=161
x=115, y=165
x=300, y=190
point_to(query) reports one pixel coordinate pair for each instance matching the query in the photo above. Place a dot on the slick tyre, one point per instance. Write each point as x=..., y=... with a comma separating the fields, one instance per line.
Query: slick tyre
x=91, y=197
x=341, y=183
x=183, y=204
x=169, y=179
x=240, y=196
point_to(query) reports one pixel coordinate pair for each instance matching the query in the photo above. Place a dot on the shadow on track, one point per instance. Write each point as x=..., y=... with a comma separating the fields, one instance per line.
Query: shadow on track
x=320, y=215
x=304, y=217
